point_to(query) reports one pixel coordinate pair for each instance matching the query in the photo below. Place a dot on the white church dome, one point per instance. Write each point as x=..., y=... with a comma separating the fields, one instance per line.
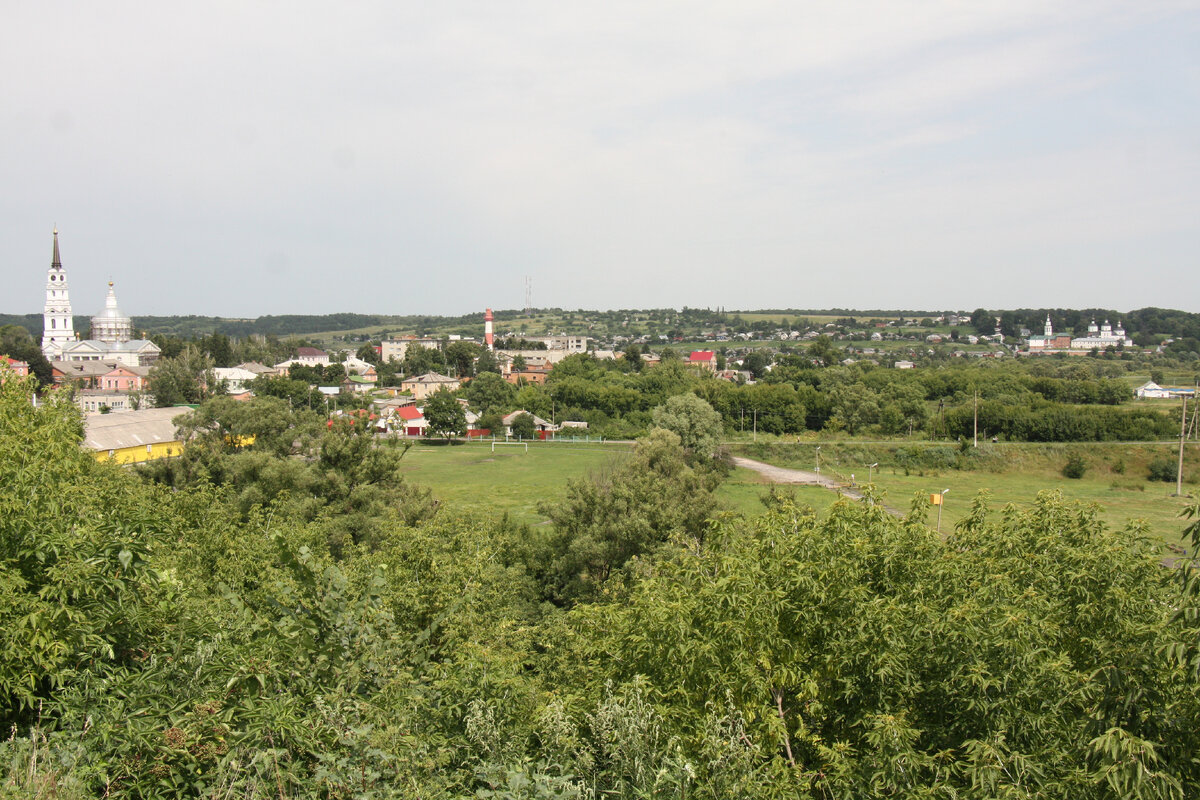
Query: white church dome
x=110, y=325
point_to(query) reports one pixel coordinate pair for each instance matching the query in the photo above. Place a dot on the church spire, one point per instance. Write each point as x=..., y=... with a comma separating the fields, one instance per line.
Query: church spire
x=58, y=325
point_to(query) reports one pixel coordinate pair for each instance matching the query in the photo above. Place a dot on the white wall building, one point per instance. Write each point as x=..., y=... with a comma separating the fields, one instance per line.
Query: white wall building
x=1102, y=337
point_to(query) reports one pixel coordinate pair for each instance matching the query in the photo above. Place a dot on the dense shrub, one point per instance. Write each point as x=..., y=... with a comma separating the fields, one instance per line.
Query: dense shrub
x=1163, y=469
x=1075, y=467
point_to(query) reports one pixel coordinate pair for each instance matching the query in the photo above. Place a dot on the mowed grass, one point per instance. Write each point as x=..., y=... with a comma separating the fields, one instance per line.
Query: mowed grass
x=473, y=478
x=1017, y=473
x=1119, y=501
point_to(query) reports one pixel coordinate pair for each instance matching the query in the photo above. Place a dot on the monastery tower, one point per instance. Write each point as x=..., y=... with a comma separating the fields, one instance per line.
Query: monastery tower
x=58, y=325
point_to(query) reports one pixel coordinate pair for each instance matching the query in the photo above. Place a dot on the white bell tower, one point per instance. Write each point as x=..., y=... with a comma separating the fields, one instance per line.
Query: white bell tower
x=58, y=326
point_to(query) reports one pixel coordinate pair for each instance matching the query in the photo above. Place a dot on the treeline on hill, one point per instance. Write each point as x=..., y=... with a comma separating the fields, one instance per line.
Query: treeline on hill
x=1041, y=401
x=289, y=619
x=1145, y=326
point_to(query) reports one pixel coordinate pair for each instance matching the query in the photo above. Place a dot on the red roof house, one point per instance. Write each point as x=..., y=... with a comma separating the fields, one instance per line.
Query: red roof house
x=414, y=423
x=19, y=367
x=703, y=358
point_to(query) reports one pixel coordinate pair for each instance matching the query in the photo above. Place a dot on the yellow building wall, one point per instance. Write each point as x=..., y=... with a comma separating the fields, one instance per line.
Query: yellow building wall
x=141, y=452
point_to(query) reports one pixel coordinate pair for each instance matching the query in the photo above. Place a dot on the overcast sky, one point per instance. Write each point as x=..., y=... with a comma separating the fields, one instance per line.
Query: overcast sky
x=245, y=158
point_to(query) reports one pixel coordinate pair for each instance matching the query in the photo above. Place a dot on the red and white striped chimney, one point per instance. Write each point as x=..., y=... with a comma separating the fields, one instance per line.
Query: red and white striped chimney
x=488, y=337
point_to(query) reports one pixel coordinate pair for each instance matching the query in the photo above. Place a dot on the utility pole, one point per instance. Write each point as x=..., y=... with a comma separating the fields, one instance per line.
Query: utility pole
x=1196, y=407
x=756, y=424
x=976, y=419
x=1182, y=435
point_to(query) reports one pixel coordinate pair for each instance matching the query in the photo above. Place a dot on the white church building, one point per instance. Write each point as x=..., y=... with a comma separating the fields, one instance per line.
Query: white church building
x=1102, y=336
x=112, y=332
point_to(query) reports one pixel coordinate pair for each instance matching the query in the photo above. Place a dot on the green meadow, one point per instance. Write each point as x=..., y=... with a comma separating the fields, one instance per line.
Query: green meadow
x=1115, y=481
x=510, y=481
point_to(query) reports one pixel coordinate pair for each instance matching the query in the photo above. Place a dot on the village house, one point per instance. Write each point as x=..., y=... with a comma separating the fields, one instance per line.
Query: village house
x=236, y=379
x=20, y=368
x=528, y=375
x=305, y=357
x=543, y=428
x=99, y=401
x=421, y=386
x=1151, y=390
x=703, y=359
x=358, y=384
x=312, y=356
x=134, y=436
x=397, y=349
x=258, y=369
x=124, y=378
x=411, y=421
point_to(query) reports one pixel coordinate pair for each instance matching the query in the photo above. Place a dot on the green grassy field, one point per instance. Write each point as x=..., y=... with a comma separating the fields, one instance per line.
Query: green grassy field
x=473, y=478
x=743, y=490
x=1118, y=501
x=1115, y=479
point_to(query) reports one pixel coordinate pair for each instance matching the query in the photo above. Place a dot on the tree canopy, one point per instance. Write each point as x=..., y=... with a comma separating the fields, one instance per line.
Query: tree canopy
x=694, y=421
x=245, y=621
x=445, y=415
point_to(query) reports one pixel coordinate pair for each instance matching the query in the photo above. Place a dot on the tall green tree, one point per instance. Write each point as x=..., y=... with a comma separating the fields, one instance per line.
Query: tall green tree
x=523, y=427
x=445, y=415
x=633, y=510
x=186, y=378
x=15, y=342
x=75, y=538
x=418, y=360
x=460, y=356
x=694, y=421
x=823, y=351
x=486, y=362
x=367, y=353
x=488, y=392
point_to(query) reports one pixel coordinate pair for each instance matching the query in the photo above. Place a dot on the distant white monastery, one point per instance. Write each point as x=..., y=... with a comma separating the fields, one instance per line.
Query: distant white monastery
x=1098, y=337
x=112, y=331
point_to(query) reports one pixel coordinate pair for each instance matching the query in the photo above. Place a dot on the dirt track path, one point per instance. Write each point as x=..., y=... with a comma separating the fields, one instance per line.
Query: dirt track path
x=783, y=475
x=801, y=477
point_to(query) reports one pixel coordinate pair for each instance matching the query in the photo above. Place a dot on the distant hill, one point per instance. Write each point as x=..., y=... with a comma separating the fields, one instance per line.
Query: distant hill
x=1147, y=322
x=30, y=322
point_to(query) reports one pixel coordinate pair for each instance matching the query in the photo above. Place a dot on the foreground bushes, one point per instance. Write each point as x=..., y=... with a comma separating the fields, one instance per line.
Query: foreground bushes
x=186, y=645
